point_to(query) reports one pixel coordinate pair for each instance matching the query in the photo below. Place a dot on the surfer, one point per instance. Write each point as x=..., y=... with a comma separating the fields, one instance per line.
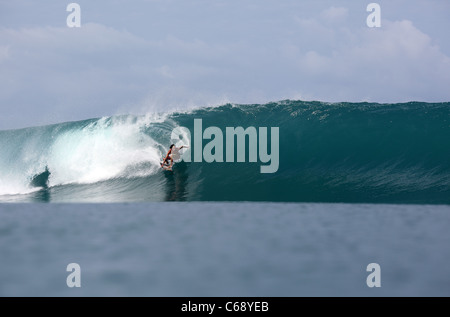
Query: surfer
x=172, y=154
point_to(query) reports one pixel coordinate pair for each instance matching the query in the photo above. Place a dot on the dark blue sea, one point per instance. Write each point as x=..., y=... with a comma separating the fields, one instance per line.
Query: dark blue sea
x=356, y=183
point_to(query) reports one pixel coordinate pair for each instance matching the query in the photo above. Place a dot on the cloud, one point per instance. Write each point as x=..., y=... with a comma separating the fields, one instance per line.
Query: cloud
x=4, y=53
x=150, y=60
x=397, y=62
x=54, y=73
x=335, y=14
x=58, y=73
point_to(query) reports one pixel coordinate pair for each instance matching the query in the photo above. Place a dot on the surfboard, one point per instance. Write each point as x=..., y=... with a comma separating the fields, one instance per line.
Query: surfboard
x=166, y=166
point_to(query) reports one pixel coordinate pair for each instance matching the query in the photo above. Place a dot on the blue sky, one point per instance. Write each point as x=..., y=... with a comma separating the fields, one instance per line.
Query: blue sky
x=147, y=55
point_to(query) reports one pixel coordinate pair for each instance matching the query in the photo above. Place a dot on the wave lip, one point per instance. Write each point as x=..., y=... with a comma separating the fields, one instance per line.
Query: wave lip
x=84, y=152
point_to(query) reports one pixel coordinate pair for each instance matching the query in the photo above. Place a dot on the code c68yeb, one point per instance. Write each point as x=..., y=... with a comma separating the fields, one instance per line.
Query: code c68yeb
x=247, y=306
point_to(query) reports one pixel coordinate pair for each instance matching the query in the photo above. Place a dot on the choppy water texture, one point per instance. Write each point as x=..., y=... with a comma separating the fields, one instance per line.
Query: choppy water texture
x=342, y=152
x=224, y=249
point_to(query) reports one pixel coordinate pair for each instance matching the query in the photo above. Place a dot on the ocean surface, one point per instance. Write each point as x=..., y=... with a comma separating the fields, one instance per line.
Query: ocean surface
x=356, y=183
x=345, y=152
x=224, y=249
